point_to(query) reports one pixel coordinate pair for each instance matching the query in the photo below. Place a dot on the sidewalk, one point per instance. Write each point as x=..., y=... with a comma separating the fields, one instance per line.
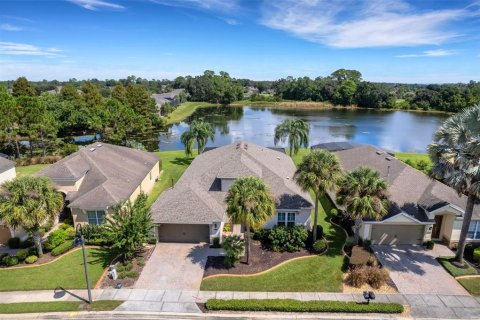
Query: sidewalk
x=422, y=305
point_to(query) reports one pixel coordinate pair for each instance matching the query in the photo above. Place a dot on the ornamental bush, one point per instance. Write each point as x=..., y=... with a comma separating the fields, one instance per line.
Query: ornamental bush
x=22, y=255
x=55, y=238
x=429, y=244
x=320, y=245
x=476, y=255
x=70, y=233
x=288, y=238
x=234, y=246
x=31, y=259
x=357, y=277
x=62, y=248
x=10, y=261
x=377, y=277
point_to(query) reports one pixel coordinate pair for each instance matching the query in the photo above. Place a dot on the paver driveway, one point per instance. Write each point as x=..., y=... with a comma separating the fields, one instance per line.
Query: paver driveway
x=415, y=270
x=175, y=266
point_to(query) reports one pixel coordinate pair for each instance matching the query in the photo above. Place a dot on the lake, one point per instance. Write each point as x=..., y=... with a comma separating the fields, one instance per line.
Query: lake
x=392, y=130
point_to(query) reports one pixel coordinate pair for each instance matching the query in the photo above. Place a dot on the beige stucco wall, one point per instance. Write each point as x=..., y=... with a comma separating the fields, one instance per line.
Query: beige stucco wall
x=8, y=175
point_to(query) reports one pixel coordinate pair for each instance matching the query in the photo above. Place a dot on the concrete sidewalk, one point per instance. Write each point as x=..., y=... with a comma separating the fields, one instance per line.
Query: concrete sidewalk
x=422, y=305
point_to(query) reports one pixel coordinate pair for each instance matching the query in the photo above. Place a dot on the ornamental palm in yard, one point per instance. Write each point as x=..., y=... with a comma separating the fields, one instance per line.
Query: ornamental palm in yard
x=296, y=131
x=455, y=152
x=363, y=193
x=249, y=202
x=28, y=202
x=200, y=132
x=320, y=172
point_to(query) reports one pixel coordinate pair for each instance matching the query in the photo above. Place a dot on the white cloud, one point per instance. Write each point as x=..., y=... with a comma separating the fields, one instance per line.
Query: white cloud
x=213, y=5
x=97, y=4
x=24, y=49
x=429, y=53
x=10, y=27
x=361, y=24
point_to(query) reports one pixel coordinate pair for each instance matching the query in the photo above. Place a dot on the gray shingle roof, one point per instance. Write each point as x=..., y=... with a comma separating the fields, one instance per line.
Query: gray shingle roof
x=197, y=198
x=6, y=164
x=408, y=187
x=112, y=173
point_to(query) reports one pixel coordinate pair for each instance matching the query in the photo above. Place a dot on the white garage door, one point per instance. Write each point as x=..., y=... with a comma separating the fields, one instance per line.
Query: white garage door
x=192, y=233
x=397, y=234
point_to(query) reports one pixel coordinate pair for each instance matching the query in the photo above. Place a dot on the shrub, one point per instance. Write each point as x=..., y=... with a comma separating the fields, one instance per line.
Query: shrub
x=319, y=232
x=319, y=246
x=26, y=244
x=290, y=305
x=140, y=261
x=10, y=261
x=349, y=242
x=121, y=267
x=260, y=234
x=357, y=277
x=215, y=243
x=234, y=246
x=64, y=226
x=288, y=238
x=48, y=226
x=377, y=277
x=227, y=227
x=429, y=245
x=359, y=257
x=93, y=231
x=132, y=274
x=367, y=244
x=152, y=240
x=3, y=255
x=333, y=212
x=55, y=238
x=14, y=243
x=31, y=259
x=62, y=248
x=476, y=255
x=32, y=251
x=22, y=255
x=70, y=233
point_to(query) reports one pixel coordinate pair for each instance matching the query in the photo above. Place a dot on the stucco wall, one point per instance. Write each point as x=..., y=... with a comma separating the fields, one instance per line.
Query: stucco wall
x=8, y=175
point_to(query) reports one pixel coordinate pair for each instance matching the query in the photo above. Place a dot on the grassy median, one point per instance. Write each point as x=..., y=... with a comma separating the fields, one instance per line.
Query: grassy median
x=58, y=306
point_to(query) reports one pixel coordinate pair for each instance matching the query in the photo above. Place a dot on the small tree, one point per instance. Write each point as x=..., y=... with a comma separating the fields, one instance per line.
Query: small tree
x=129, y=227
x=234, y=246
x=296, y=131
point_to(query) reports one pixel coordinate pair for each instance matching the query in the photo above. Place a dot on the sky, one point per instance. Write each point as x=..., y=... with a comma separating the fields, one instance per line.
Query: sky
x=426, y=41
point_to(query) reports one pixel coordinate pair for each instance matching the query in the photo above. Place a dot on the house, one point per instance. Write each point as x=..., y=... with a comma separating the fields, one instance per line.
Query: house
x=421, y=208
x=101, y=175
x=194, y=210
x=171, y=97
x=7, y=172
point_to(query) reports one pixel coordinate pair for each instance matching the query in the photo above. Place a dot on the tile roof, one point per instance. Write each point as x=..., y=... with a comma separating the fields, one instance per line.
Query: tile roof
x=197, y=198
x=112, y=173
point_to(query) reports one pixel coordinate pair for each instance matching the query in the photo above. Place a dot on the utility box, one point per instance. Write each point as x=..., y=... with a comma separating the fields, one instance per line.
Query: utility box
x=112, y=272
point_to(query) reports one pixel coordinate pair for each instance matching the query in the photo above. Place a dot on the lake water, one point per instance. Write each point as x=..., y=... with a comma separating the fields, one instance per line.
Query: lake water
x=393, y=131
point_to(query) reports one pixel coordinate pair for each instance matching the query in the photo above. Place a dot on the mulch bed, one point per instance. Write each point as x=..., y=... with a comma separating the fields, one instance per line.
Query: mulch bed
x=261, y=259
x=127, y=281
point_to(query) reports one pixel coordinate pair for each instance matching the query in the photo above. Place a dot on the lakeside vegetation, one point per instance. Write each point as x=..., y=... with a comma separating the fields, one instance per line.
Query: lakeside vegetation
x=185, y=110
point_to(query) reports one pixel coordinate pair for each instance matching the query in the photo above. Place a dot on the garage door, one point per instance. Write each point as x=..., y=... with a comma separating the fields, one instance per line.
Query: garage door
x=184, y=233
x=4, y=234
x=397, y=234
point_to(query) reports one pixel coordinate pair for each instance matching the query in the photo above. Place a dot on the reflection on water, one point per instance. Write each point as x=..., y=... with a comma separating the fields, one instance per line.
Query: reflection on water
x=395, y=131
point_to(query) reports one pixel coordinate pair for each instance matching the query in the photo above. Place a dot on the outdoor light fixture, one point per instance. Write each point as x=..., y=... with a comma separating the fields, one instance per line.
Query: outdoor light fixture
x=80, y=241
x=368, y=295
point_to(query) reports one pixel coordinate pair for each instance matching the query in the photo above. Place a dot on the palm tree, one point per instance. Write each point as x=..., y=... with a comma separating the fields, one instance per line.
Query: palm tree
x=363, y=193
x=249, y=202
x=320, y=172
x=297, y=132
x=200, y=132
x=455, y=152
x=28, y=202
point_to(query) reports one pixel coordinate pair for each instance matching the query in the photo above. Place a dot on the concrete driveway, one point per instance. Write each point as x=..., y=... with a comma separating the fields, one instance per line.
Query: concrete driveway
x=415, y=270
x=176, y=266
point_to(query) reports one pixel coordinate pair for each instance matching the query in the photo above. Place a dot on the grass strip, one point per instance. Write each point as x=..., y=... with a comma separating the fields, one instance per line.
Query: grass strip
x=290, y=305
x=58, y=306
x=454, y=270
x=472, y=285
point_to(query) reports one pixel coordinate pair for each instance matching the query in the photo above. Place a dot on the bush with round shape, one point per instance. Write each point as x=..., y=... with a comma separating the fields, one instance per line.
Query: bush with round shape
x=10, y=261
x=61, y=249
x=377, y=277
x=55, y=238
x=476, y=255
x=64, y=226
x=288, y=238
x=429, y=245
x=320, y=245
x=22, y=254
x=234, y=247
x=31, y=259
x=70, y=233
x=32, y=251
x=357, y=277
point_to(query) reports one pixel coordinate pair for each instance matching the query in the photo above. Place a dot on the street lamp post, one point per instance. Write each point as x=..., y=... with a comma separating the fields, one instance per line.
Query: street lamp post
x=80, y=240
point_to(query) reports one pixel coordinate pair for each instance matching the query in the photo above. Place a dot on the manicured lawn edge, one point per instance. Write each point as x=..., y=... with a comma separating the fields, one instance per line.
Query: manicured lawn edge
x=290, y=305
x=472, y=285
x=455, y=271
x=186, y=109
x=57, y=306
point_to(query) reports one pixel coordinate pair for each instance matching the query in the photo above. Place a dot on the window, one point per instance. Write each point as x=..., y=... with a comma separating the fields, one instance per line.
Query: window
x=474, y=230
x=96, y=216
x=286, y=219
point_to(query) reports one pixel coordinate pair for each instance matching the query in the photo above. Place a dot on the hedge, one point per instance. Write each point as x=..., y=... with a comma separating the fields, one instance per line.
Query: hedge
x=64, y=247
x=290, y=305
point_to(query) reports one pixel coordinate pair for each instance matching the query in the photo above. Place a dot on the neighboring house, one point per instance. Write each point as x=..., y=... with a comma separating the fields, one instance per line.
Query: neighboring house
x=194, y=210
x=7, y=172
x=421, y=208
x=101, y=175
x=170, y=97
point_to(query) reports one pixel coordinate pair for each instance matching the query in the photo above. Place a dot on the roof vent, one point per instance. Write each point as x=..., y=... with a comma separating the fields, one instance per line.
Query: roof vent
x=288, y=178
x=389, y=158
x=92, y=149
x=278, y=158
x=99, y=145
x=379, y=152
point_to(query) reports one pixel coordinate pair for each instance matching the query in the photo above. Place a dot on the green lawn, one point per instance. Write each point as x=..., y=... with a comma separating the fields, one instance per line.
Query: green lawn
x=67, y=272
x=472, y=285
x=319, y=273
x=412, y=156
x=30, y=170
x=58, y=306
x=455, y=271
x=185, y=110
x=174, y=163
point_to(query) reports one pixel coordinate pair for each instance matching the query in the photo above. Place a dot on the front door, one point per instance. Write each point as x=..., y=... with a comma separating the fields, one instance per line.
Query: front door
x=437, y=227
